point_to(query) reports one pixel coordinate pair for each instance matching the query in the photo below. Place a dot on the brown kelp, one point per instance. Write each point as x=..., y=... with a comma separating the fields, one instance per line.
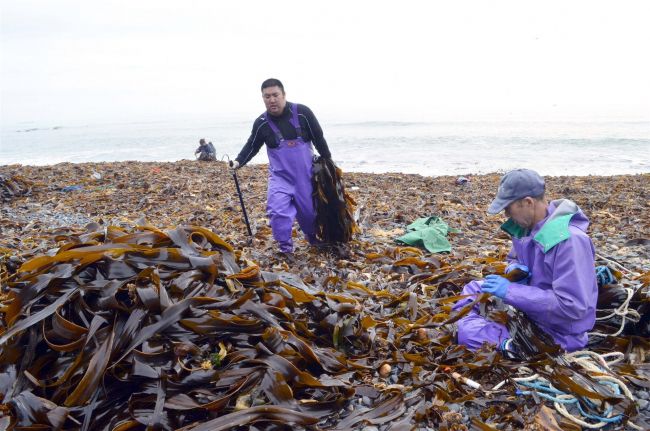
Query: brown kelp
x=161, y=329
x=334, y=207
x=382, y=309
x=173, y=329
x=14, y=185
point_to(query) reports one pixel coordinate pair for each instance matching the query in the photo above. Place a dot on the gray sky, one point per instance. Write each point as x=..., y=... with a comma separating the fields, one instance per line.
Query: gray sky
x=73, y=61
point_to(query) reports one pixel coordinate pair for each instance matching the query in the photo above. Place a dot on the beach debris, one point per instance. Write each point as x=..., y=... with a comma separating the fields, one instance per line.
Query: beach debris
x=74, y=188
x=175, y=322
x=462, y=379
x=583, y=389
x=428, y=232
x=384, y=370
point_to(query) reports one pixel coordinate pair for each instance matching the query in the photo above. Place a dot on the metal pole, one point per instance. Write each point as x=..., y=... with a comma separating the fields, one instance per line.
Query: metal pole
x=241, y=201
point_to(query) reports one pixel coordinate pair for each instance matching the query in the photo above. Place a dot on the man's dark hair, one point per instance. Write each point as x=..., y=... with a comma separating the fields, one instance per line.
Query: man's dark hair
x=272, y=82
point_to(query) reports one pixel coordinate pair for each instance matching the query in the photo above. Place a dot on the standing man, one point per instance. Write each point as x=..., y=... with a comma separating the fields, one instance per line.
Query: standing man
x=288, y=130
x=550, y=243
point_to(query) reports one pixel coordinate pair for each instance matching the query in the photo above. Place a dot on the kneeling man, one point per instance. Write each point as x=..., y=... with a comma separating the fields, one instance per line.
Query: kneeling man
x=550, y=243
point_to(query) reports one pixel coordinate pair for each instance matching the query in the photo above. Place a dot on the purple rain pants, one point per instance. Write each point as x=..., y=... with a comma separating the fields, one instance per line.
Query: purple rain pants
x=474, y=329
x=290, y=189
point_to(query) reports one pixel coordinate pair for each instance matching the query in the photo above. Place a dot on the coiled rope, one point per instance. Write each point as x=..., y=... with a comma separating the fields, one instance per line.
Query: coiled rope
x=598, y=367
x=624, y=311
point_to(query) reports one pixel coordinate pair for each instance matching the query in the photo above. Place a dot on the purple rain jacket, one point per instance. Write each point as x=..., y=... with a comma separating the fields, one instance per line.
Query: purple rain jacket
x=562, y=291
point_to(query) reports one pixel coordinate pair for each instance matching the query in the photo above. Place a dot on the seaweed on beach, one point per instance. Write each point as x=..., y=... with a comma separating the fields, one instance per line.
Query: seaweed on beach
x=334, y=207
x=123, y=328
x=12, y=186
x=325, y=342
x=531, y=341
x=162, y=329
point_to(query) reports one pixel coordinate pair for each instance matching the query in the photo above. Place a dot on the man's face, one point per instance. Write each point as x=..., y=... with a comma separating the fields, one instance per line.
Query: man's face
x=274, y=100
x=522, y=212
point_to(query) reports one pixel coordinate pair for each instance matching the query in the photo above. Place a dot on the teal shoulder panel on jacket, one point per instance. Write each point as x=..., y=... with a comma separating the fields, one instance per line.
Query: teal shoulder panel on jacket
x=554, y=232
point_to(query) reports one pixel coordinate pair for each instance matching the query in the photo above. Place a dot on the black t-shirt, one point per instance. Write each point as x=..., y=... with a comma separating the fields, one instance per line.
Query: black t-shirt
x=263, y=134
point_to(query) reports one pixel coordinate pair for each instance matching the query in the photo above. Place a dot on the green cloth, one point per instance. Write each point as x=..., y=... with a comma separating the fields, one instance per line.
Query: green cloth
x=428, y=232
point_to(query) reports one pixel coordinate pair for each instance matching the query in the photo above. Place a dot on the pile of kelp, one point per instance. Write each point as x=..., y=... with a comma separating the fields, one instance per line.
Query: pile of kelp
x=13, y=185
x=139, y=328
x=334, y=207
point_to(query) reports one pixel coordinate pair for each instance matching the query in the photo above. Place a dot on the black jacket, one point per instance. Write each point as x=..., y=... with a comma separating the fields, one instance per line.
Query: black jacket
x=262, y=133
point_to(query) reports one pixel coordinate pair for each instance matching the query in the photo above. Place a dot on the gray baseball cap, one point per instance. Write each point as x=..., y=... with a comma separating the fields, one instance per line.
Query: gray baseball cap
x=516, y=185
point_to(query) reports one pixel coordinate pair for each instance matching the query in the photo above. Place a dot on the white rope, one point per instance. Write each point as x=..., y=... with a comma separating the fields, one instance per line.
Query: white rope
x=624, y=312
x=576, y=357
x=620, y=355
x=606, y=364
x=564, y=412
x=613, y=262
x=527, y=379
x=633, y=425
x=524, y=370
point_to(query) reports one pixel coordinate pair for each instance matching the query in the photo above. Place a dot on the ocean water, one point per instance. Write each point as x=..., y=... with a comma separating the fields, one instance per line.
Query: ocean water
x=442, y=148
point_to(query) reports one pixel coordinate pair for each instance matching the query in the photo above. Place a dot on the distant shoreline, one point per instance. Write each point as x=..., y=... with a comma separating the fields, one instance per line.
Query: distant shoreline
x=425, y=148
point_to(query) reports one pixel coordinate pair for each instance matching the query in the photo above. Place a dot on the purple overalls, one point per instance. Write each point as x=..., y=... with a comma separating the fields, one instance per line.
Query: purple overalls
x=290, y=190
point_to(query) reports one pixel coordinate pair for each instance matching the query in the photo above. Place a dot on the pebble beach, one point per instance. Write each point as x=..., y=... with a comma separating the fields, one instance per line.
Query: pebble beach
x=168, y=194
x=56, y=202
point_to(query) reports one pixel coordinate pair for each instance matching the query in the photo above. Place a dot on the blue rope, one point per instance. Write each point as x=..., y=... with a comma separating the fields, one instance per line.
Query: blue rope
x=604, y=276
x=542, y=386
x=544, y=390
x=548, y=397
x=617, y=391
x=605, y=419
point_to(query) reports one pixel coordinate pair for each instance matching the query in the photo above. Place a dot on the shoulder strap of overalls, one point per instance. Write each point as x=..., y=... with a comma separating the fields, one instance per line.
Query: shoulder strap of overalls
x=274, y=128
x=295, y=122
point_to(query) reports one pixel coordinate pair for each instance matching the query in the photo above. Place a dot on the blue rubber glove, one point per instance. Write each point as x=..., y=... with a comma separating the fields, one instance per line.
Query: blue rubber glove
x=518, y=266
x=495, y=285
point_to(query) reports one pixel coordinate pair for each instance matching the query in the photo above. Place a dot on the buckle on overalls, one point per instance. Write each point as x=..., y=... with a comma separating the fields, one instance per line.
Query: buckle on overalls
x=291, y=143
